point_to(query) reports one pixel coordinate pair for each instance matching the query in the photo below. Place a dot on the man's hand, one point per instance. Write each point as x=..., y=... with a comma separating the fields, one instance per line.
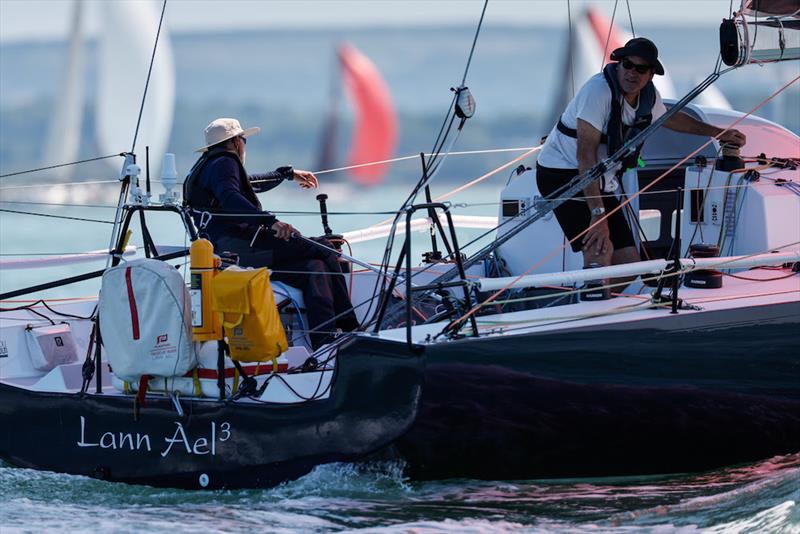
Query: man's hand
x=284, y=230
x=306, y=179
x=733, y=137
x=596, y=240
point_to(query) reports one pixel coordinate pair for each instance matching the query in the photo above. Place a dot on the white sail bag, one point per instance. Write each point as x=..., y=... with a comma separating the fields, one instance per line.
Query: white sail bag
x=145, y=320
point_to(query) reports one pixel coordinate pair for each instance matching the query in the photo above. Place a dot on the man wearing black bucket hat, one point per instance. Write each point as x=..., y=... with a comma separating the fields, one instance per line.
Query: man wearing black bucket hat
x=610, y=108
x=219, y=183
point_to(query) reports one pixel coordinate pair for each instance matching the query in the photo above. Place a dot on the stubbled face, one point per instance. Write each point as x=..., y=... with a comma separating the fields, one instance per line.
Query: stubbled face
x=630, y=80
x=241, y=148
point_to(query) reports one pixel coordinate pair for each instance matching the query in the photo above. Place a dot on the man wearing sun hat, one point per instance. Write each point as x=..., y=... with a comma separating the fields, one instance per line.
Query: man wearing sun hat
x=218, y=182
x=612, y=107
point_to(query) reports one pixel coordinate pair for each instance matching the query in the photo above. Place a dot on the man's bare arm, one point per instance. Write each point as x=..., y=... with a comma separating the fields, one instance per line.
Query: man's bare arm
x=681, y=122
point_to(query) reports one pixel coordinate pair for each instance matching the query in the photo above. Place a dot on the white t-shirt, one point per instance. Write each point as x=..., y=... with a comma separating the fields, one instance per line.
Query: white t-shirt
x=593, y=105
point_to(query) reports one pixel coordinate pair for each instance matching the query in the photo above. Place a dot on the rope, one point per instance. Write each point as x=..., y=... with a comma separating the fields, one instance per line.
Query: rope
x=61, y=165
x=622, y=204
x=149, y=72
x=487, y=175
x=416, y=157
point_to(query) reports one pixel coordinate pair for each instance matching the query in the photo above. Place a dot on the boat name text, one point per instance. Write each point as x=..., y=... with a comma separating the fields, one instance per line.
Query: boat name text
x=179, y=440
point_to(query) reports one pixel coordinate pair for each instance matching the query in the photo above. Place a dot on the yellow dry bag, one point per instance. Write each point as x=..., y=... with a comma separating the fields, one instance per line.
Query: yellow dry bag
x=249, y=315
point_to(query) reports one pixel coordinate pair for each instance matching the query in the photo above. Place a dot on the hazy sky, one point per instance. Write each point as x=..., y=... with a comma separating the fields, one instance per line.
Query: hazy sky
x=48, y=19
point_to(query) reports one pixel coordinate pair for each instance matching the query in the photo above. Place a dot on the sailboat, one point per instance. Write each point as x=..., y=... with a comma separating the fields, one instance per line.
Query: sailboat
x=489, y=365
x=127, y=32
x=374, y=135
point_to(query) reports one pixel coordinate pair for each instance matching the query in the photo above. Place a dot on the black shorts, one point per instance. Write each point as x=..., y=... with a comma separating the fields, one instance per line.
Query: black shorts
x=574, y=215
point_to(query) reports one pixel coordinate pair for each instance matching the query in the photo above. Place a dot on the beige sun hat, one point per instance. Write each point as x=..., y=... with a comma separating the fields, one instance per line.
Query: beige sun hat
x=220, y=130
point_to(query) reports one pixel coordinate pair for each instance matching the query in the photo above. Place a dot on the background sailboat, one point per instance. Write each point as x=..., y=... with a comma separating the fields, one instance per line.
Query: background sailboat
x=374, y=131
x=64, y=131
x=124, y=49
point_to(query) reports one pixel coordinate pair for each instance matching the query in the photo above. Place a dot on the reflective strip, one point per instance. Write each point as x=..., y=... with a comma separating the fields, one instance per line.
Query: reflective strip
x=132, y=303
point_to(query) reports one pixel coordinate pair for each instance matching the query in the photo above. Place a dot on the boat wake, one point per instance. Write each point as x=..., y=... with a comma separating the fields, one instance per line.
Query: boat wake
x=376, y=496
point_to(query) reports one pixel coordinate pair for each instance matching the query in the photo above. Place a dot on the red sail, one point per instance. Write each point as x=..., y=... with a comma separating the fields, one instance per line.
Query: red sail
x=375, y=128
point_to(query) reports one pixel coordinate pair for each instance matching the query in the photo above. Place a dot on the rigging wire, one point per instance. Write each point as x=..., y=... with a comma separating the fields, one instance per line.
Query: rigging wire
x=608, y=37
x=630, y=17
x=474, y=41
x=62, y=165
x=149, y=72
x=570, y=49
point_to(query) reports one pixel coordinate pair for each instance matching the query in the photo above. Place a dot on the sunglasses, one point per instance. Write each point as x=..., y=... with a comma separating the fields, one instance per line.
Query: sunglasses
x=627, y=64
x=244, y=139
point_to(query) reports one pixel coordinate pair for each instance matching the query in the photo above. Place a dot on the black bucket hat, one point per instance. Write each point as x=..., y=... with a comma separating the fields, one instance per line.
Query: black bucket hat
x=644, y=48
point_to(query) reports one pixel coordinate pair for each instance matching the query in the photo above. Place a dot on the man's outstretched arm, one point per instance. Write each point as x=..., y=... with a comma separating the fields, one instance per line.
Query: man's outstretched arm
x=681, y=122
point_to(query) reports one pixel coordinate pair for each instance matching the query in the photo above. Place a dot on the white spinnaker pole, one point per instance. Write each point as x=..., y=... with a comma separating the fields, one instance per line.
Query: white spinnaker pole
x=638, y=268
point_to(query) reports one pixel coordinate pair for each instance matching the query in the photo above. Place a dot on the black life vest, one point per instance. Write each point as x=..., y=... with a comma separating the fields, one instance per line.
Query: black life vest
x=618, y=132
x=198, y=197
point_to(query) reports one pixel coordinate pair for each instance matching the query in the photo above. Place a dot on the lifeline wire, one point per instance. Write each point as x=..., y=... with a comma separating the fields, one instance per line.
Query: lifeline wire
x=61, y=165
x=55, y=216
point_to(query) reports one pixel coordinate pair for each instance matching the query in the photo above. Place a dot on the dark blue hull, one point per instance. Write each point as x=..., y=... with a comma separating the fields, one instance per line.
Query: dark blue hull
x=606, y=403
x=373, y=400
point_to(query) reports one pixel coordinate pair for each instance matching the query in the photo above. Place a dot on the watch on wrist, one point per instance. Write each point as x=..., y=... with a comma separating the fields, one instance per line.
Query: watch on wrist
x=596, y=212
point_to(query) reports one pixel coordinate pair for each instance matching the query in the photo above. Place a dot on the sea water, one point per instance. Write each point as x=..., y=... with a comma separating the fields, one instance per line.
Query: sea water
x=376, y=497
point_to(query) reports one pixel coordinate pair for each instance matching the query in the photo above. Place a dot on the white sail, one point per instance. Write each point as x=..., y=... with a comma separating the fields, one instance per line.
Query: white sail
x=64, y=133
x=125, y=47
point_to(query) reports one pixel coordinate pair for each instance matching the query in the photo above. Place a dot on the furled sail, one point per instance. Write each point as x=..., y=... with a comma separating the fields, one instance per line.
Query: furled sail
x=125, y=47
x=771, y=8
x=64, y=131
x=375, y=126
x=763, y=31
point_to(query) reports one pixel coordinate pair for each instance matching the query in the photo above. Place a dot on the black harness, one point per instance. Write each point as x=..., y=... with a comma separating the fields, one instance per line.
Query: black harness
x=618, y=132
x=198, y=197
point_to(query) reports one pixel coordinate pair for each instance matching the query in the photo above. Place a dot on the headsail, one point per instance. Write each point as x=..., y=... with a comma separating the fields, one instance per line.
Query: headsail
x=125, y=48
x=375, y=129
